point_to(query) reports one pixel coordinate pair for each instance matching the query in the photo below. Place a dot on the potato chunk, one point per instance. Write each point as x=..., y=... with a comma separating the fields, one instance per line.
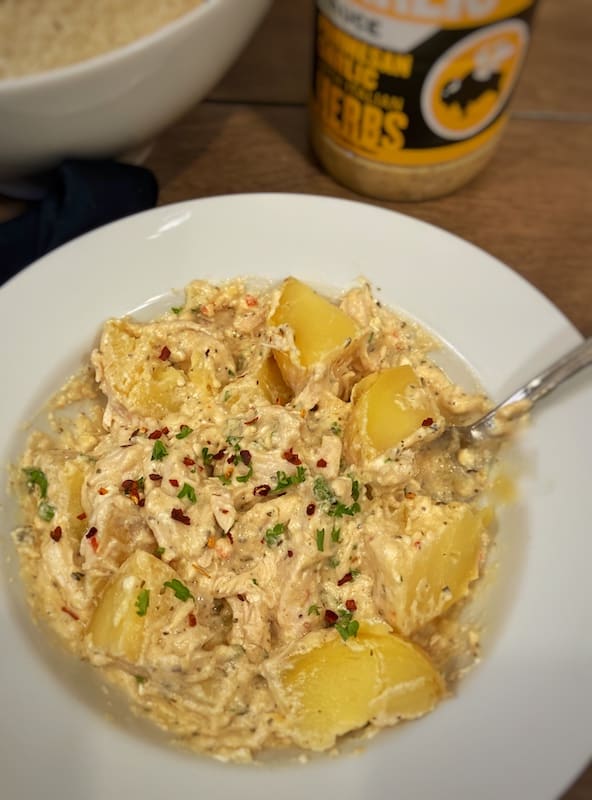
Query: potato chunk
x=320, y=329
x=387, y=407
x=153, y=370
x=429, y=565
x=272, y=383
x=118, y=624
x=333, y=687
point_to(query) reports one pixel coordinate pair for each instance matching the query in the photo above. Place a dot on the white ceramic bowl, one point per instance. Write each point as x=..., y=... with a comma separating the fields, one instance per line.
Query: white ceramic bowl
x=119, y=101
x=520, y=725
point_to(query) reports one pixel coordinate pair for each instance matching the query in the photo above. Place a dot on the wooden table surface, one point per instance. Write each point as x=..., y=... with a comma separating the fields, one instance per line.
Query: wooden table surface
x=532, y=207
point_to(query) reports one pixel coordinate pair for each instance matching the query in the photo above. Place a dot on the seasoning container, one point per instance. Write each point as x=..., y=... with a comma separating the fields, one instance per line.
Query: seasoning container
x=410, y=97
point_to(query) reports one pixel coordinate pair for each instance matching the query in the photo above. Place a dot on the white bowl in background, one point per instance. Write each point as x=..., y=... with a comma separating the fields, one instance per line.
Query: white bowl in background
x=119, y=101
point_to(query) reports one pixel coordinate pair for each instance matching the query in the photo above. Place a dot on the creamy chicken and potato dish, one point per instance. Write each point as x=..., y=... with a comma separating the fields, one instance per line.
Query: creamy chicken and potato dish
x=251, y=516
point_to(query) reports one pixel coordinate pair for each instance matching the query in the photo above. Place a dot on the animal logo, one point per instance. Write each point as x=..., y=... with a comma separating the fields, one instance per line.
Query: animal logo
x=485, y=76
x=469, y=85
x=469, y=89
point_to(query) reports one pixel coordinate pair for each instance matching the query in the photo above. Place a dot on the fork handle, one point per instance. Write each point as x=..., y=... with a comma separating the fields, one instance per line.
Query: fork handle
x=546, y=381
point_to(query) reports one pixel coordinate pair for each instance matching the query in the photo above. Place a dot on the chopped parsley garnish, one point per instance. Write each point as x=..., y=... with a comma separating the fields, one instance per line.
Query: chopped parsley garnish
x=159, y=451
x=159, y=552
x=176, y=309
x=244, y=478
x=314, y=609
x=334, y=507
x=36, y=477
x=284, y=480
x=320, y=536
x=140, y=678
x=184, y=431
x=322, y=491
x=336, y=534
x=181, y=591
x=346, y=626
x=206, y=456
x=336, y=429
x=272, y=535
x=188, y=492
x=142, y=602
x=334, y=562
x=46, y=511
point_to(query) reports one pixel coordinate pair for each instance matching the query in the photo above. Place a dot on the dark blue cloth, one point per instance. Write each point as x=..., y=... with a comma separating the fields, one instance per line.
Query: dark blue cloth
x=80, y=196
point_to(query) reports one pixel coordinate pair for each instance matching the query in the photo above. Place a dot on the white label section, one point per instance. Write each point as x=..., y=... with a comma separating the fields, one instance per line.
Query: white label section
x=376, y=29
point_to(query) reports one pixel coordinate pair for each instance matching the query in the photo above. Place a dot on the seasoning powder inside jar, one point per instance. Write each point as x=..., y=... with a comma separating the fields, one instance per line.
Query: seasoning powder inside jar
x=410, y=97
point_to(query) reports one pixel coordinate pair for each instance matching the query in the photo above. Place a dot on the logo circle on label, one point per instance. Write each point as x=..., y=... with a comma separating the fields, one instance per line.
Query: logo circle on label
x=471, y=82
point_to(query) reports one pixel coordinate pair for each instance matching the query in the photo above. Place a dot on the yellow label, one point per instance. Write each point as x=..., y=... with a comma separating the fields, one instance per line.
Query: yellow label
x=441, y=98
x=446, y=13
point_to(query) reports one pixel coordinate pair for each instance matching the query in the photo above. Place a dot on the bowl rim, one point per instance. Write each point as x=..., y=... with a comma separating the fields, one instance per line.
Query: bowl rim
x=110, y=57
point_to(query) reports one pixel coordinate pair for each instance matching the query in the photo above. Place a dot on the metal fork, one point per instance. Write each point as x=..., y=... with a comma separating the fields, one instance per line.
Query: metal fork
x=536, y=388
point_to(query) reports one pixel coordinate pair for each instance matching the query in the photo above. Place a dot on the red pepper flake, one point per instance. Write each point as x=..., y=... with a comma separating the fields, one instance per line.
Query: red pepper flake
x=56, y=534
x=321, y=463
x=70, y=613
x=417, y=545
x=262, y=491
x=189, y=462
x=178, y=515
x=81, y=516
x=427, y=422
x=90, y=533
x=310, y=509
x=245, y=457
x=102, y=490
x=94, y=543
x=165, y=431
x=229, y=536
x=346, y=579
x=155, y=434
x=142, y=502
x=241, y=597
x=174, y=482
x=330, y=617
x=191, y=620
x=251, y=421
x=164, y=353
x=251, y=301
x=291, y=457
x=154, y=476
x=131, y=488
x=290, y=553
x=219, y=455
x=351, y=604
